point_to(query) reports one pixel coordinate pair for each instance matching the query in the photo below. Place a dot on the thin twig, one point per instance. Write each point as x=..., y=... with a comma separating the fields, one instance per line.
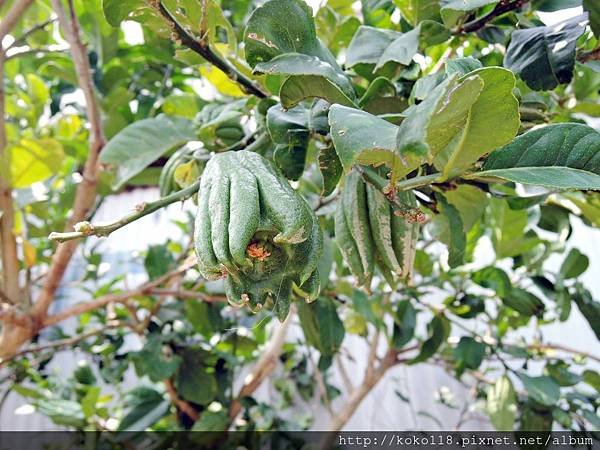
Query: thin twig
x=40, y=26
x=203, y=48
x=502, y=7
x=143, y=289
x=13, y=15
x=84, y=229
x=263, y=368
x=180, y=403
x=186, y=294
x=85, y=196
x=68, y=342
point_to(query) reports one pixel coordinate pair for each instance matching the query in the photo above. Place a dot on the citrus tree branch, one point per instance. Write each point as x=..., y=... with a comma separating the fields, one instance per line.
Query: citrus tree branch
x=86, y=190
x=502, y=7
x=12, y=16
x=83, y=229
x=263, y=368
x=99, y=302
x=202, y=47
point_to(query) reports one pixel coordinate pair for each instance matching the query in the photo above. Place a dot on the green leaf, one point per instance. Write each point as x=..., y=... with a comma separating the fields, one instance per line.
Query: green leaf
x=322, y=326
x=462, y=66
x=439, y=330
x=147, y=406
x=449, y=229
x=574, y=264
x=331, y=169
x=300, y=64
x=589, y=308
x=459, y=133
x=493, y=278
x=416, y=11
x=116, y=11
x=468, y=354
x=211, y=421
x=561, y=156
x=282, y=26
x=508, y=226
x=592, y=378
x=158, y=261
x=88, y=402
x=194, y=382
x=368, y=44
x=501, y=404
x=401, y=50
x=203, y=316
x=140, y=144
x=151, y=360
x=555, y=5
x=362, y=138
x=33, y=160
x=542, y=389
x=593, y=9
x=62, y=411
x=405, y=322
x=559, y=370
x=544, y=57
x=470, y=202
x=454, y=10
x=301, y=87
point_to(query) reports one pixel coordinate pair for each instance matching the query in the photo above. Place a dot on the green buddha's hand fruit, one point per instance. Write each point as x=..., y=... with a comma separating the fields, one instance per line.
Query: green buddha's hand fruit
x=256, y=231
x=370, y=235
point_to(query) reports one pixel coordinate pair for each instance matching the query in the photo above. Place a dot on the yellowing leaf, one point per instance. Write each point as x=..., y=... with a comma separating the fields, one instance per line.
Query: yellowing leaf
x=220, y=81
x=33, y=160
x=29, y=254
x=186, y=174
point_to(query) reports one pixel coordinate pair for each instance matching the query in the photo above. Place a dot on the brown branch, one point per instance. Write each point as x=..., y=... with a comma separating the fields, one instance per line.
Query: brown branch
x=12, y=16
x=502, y=7
x=179, y=403
x=562, y=348
x=592, y=55
x=8, y=244
x=11, y=315
x=67, y=342
x=203, y=48
x=186, y=294
x=86, y=191
x=263, y=368
x=143, y=289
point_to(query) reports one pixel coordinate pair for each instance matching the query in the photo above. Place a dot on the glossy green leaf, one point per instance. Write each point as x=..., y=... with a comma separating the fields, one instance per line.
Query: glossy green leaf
x=459, y=133
x=405, y=322
x=368, y=44
x=363, y=138
x=62, y=411
x=542, y=389
x=493, y=278
x=561, y=156
x=439, y=330
x=593, y=9
x=508, y=227
x=331, y=169
x=574, y=264
x=143, y=142
x=116, y=11
x=302, y=87
x=449, y=229
x=158, y=261
x=416, y=11
x=468, y=354
x=282, y=26
x=152, y=361
x=194, y=382
x=300, y=64
x=454, y=10
x=544, y=57
x=501, y=405
x=555, y=5
x=146, y=407
x=470, y=202
x=589, y=308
